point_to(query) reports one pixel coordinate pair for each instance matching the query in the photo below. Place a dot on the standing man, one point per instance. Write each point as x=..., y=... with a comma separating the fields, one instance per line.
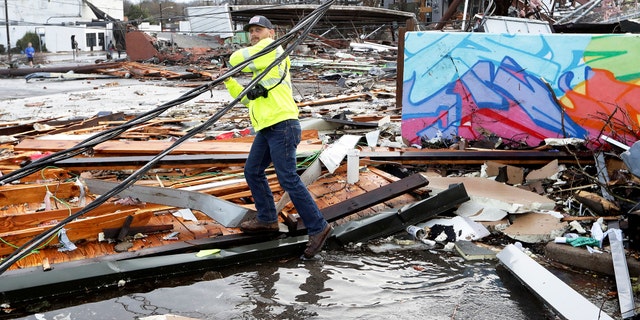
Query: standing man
x=110, y=49
x=30, y=52
x=119, y=48
x=74, y=46
x=274, y=117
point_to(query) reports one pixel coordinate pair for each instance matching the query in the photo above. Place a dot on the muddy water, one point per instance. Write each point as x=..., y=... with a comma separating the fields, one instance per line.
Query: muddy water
x=407, y=284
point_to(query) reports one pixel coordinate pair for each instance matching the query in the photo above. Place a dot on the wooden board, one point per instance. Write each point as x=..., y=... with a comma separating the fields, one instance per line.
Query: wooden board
x=85, y=229
x=151, y=147
x=16, y=194
x=40, y=218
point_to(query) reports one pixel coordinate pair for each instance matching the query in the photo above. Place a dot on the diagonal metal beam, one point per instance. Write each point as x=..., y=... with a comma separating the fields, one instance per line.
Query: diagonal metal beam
x=224, y=212
x=371, y=198
x=366, y=200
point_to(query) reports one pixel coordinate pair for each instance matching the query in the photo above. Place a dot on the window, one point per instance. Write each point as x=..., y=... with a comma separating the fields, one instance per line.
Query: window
x=91, y=40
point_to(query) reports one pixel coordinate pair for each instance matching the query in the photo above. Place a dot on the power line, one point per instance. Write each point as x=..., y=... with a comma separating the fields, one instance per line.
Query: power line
x=296, y=35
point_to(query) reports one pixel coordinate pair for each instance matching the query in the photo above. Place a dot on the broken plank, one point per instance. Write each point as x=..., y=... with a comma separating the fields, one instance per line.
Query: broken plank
x=309, y=136
x=88, y=123
x=47, y=174
x=169, y=161
x=111, y=233
x=76, y=230
x=274, y=186
x=76, y=69
x=125, y=228
x=34, y=219
x=12, y=194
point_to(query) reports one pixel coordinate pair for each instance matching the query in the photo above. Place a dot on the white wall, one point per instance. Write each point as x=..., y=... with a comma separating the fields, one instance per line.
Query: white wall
x=58, y=38
x=60, y=20
x=56, y=12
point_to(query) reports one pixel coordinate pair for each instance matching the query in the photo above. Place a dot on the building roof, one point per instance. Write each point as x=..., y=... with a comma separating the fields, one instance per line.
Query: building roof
x=336, y=16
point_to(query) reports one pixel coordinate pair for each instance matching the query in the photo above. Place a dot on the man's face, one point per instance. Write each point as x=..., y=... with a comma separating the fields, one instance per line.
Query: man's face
x=257, y=33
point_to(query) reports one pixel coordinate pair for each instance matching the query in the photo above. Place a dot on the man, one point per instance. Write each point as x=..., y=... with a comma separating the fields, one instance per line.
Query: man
x=110, y=50
x=274, y=117
x=119, y=49
x=30, y=52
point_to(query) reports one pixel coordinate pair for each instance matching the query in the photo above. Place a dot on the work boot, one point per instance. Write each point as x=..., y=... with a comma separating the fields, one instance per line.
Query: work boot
x=316, y=241
x=256, y=226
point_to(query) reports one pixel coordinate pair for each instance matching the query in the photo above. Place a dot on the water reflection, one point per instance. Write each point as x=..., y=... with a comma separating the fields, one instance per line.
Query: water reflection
x=343, y=285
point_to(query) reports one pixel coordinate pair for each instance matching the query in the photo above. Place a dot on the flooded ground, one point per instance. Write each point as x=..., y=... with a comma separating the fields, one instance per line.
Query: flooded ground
x=348, y=284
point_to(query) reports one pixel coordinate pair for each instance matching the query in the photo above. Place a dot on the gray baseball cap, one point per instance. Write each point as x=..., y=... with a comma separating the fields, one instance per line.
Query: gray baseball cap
x=258, y=21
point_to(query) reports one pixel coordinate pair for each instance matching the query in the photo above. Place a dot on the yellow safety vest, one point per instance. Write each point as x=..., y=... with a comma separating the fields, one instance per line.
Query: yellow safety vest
x=279, y=104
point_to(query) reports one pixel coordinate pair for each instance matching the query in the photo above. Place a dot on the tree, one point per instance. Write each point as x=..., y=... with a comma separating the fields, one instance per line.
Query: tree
x=135, y=11
x=28, y=37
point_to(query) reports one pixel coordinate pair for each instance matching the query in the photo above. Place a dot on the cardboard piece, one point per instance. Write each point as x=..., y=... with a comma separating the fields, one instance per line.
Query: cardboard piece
x=536, y=228
x=504, y=173
x=477, y=211
x=547, y=172
x=495, y=194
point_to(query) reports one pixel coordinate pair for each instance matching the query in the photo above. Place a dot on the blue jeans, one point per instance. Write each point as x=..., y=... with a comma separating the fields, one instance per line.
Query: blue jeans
x=278, y=144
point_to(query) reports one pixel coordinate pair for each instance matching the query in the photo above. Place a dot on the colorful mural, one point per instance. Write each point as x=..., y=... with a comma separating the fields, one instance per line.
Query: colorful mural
x=523, y=88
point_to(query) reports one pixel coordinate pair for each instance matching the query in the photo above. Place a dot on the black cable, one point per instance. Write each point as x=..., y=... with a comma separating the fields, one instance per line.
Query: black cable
x=86, y=145
x=311, y=20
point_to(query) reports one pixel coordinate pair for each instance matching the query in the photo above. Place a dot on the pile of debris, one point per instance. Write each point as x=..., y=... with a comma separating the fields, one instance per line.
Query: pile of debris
x=471, y=197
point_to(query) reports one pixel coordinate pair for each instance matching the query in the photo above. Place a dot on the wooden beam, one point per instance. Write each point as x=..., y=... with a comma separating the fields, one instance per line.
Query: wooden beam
x=12, y=194
x=83, y=229
x=151, y=147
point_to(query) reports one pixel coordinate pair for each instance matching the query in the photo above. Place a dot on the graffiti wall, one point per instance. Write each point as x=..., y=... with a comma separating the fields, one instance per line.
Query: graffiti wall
x=523, y=88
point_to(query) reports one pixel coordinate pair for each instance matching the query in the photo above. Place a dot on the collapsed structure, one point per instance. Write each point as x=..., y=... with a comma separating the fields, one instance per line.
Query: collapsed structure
x=514, y=119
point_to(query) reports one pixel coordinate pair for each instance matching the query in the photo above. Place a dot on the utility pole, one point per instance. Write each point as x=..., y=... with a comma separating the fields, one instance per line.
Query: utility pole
x=6, y=20
x=160, y=4
x=161, y=18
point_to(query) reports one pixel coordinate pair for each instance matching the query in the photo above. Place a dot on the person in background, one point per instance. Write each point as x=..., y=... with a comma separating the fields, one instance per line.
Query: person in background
x=110, y=49
x=119, y=49
x=30, y=53
x=274, y=117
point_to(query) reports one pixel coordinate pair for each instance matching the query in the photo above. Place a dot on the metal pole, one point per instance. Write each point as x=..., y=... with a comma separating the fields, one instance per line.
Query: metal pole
x=6, y=20
x=464, y=15
x=160, y=16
